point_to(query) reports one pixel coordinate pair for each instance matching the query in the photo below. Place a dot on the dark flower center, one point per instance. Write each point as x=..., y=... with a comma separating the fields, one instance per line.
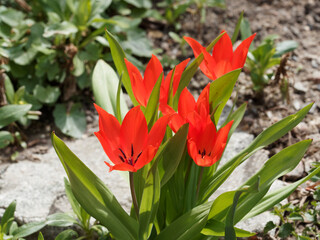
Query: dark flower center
x=203, y=153
x=130, y=159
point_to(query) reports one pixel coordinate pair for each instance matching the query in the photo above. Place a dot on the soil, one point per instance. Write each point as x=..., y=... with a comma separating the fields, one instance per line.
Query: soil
x=297, y=20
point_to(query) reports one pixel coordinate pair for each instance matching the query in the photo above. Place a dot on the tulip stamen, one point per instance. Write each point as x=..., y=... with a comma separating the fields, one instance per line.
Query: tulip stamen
x=131, y=150
x=203, y=153
x=124, y=155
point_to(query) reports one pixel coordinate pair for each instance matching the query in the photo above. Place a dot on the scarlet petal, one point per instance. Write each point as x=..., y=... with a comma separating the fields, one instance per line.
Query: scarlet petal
x=146, y=157
x=186, y=103
x=151, y=74
x=223, y=50
x=121, y=167
x=157, y=131
x=240, y=54
x=109, y=125
x=196, y=47
x=221, y=140
x=208, y=65
x=176, y=122
x=108, y=147
x=133, y=132
x=137, y=84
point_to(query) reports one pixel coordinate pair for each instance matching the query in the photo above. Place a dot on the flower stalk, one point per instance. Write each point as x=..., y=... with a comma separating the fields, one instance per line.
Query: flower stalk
x=133, y=195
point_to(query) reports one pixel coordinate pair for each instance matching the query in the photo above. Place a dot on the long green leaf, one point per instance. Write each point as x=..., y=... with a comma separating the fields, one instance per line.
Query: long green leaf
x=268, y=136
x=278, y=165
x=151, y=110
x=27, y=229
x=173, y=154
x=220, y=92
x=8, y=217
x=191, y=70
x=72, y=200
x=216, y=228
x=93, y=195
x=237, y=28
x=149, y=203
x=274, y=197
x=118, y=57
x=188, y=226
x=104, y=85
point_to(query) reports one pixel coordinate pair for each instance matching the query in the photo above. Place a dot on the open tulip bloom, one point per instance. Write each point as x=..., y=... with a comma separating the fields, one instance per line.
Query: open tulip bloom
x=171, y=146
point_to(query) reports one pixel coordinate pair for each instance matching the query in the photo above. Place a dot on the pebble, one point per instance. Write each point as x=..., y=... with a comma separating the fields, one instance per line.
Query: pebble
x=300, y=88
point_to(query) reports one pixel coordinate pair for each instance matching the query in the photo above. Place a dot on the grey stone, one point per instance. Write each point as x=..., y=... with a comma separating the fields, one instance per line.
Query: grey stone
x=296, y=173
x=299, y=87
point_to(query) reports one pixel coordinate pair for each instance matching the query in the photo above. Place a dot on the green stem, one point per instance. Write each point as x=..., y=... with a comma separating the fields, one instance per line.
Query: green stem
x=133, y=195
x=199, y=183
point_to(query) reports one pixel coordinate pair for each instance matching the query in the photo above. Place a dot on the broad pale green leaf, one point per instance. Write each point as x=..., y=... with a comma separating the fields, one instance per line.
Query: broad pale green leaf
x=118, y=57
x=5, y=139
x=64, y=28
x=268, y=136
x=72, y=122
x=78, y=65
x=61, y=220
x=172, y=154
x=220, y=92
x=28, y=229
x=191, y=70
x=11, y=113
x=90, y=191
x=9, y=89
x=151, y=110
x=140, y=3
x=11, y=16
x=149, y=203
x=188, y=226
x=216, y=228
x=105, y=83
x=46, y=94
x=284, y=47
x=138, y=44
x=274, y=197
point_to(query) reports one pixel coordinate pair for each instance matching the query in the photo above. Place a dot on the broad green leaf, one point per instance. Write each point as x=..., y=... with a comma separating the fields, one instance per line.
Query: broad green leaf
x=189, y=72
x=220, y=92
x=149, y=203
x=11, y=113
x=5, y=139
x=61, y=220
x=28, y=229
x=78, y=65
x=118, y=57
x=90, y=191
x=64, y=28
x=46, y=94
x=216, y=228
x=188, y=226
x=72, y=122
x=151, y=110
x=8, y=217
x=137, y=44
x=172, y=154
x=104, y=85
x=67, y=234
x=72, y=200
x=268, y=136
x=274, y=197
x=284, y=47
x=285, y=230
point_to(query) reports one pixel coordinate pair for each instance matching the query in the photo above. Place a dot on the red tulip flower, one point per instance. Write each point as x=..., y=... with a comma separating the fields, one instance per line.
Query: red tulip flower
x=223, y=59
x=186, y=106
x=129, y=145
x=165, y=85
x=205, y=144
x=142, y=87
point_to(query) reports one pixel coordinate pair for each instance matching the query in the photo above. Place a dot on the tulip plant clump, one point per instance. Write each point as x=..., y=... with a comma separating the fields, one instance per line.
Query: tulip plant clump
x=170, y=144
